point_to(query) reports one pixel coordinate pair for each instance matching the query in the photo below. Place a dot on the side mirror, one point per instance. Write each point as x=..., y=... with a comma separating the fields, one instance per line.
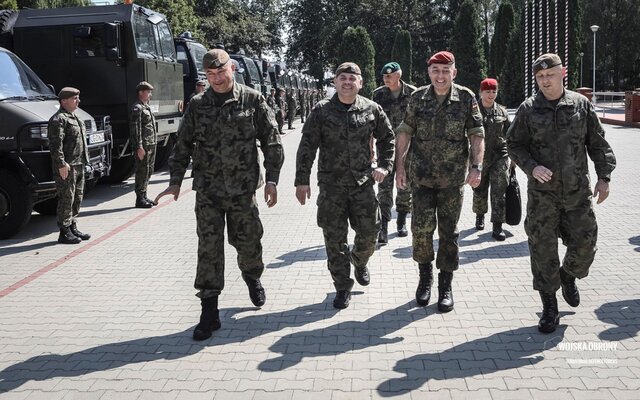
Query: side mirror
x=112, y=41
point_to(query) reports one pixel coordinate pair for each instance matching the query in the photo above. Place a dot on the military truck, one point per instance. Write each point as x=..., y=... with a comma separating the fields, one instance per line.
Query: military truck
x=252, y=74
x=190, y=54
x=104, y=51
x=26, y=174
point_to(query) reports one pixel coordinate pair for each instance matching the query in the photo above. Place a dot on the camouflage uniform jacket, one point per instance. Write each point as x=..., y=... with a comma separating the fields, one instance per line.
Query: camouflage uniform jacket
x=496, y=124
x=142, y=125
x=67, y=139
x=222, y=142
x=556, y=138
x=343, y=137
x=394, y=107
x=271, y=102
x=292, y=104
x=439, y=149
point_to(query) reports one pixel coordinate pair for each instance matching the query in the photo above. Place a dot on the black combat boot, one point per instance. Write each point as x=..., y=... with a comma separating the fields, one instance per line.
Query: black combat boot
x=141, y=202
x=402, y=224
x=479, y=222
x=445, y=294
x=256, y=291
x=67, y=237
x=362, y=275
x=423, y=292
x=384, y=231
x=209, y=319
x=74, y=229
x=550, y=315
x=570, y=291
x=498, y=233
x=342, y=298
x=148, y=200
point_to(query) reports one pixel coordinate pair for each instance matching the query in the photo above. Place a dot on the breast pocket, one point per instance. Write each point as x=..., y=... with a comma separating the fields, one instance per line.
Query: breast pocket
x=240, y=123
x=425, y=124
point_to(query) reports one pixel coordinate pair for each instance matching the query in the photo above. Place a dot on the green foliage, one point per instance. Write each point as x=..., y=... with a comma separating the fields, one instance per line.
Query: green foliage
x=52, y=3
x=504, y=26
x=401, y=53
x=467, y=47
x=179, y=13
x=8, y=4
x=511, y=92
x=356, y=46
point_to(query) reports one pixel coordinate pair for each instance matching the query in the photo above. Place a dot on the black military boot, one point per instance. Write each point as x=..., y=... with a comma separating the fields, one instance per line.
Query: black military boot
x=445, y=294
x=74, y=229
x=570, y=291
x=550, y=315
x=423, y=292
x=479, y=222
x=141, y=202
x=402, y=224
x=342, y=299
x=498, y=233
x=148, y=200
x=67, y=237
x=362, y=275
x=256, y=291
x=209, y=319
x=384, y=231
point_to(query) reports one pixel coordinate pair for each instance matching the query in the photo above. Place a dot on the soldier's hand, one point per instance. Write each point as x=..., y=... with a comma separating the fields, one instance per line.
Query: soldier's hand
x=140, y=153
x=171, y=190
x=270, y=194
x=379, y=174
x=601, y=191
x=473, y=178
x=401, y=179
x=303, y=192
x=64, y=171
x=541, y=174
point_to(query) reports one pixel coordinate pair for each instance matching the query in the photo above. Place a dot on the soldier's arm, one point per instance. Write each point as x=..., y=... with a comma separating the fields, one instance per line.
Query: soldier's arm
x=308, y=147
x=267, y=134
x=404, y=131
x=518, y=142
x=179, y=160
x=135, y=127
x=475, y=131
x=598, y=148
x=385, y=140
x=56, y=136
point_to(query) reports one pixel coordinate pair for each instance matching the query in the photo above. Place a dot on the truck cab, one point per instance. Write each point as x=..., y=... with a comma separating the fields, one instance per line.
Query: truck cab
x=190, y=54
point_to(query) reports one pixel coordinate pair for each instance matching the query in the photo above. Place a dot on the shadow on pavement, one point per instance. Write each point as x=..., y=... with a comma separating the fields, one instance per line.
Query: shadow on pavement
x=635, y=241
x=625, y=315
x=343, y=337
x=506, y=250
x=26, y=248
x=306, y=254
x=480, y=357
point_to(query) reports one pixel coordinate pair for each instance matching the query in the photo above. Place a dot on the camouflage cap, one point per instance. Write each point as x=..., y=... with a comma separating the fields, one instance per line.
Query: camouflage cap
x=390, y=68
x=144, y=85
x=348, y=67
x=215, y=58
x=546, y=61
x=68, y=92
x=442, y=57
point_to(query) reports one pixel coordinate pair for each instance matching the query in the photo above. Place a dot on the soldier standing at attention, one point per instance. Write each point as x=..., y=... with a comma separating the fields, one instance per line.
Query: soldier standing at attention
x=303, y=104
x=550, y=137
x=69, y=155
x=442, y=119
x=495, y=163
x=142, y=126
x=219, y=130
x=281, y=109
x=393, y=97
x=341, y=127
x=271, y=101
x=292, y=107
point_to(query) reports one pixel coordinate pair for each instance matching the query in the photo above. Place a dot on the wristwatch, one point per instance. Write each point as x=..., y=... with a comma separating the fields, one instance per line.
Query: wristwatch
x=477, y=166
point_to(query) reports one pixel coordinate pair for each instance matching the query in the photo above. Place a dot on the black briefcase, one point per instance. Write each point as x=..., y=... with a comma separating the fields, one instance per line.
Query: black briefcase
x=513, y=204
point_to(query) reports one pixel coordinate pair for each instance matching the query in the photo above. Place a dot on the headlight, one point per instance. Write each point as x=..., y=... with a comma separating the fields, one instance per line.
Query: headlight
x=38, y=132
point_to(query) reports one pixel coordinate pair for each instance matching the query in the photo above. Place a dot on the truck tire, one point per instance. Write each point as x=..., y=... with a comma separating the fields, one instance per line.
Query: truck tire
x=121, y=169
x=163, y=153
x=47, y=207
x=15, y=204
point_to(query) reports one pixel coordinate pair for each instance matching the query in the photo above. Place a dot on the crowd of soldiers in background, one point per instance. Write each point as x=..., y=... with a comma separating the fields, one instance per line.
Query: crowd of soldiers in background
x=286, y=104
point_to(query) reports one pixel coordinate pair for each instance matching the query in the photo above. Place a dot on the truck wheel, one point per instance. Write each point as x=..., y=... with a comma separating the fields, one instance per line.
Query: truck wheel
x=163, y=153
x=47, y=207
x=15, y=204
x=121, y=169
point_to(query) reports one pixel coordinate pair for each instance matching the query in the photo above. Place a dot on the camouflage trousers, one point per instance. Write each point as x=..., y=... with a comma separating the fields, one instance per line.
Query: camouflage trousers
x=244, y=231
x=291, y=114
x=339, y=206
x=280, y=121
x=303, y=113
x=441, y=208
x=70, y=192
x=495, y=176
x=144, y=168
x=385, y=197
x=570, y=216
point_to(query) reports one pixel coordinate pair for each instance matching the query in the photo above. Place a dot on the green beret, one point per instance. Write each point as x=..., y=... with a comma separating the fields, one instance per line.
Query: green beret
x=68, y=92
x=390, y=68
x=348, y=67
x=546, y=61
x=144, y=85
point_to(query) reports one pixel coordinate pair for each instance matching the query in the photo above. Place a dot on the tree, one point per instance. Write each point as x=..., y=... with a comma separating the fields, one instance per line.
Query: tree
x=503, y=30
x=356, y=47
x=401, y=52
x=8, y=5
x=467, y=47
x=179, y=13
x=511, y=92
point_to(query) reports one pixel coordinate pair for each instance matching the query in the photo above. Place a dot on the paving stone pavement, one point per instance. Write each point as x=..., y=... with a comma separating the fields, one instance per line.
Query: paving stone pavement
x=112, y=318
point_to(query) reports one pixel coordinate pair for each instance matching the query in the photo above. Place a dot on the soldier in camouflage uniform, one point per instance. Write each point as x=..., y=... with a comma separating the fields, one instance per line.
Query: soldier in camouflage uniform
x=69, y=155
x=393, y=97
x=442, y=119
x=550, y=137
x=142, y=127
x=310, y=102
x=341, y=127
x=219, y=131
x=495, y=164
x=292, y=107
x=281, y=109
x=303, y=101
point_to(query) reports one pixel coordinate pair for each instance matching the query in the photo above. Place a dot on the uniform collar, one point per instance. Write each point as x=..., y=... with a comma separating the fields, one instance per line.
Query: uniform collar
x=539, y=101
x=357, y=105
x=430, y=94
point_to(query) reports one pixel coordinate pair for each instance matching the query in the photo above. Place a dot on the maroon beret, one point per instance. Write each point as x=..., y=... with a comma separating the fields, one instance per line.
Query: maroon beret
x=442, y=57
x=489, y=84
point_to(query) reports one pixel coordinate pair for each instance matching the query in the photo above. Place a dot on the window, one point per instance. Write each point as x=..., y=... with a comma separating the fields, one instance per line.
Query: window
x=144, y=35
x=89, y=45
x=166, y=40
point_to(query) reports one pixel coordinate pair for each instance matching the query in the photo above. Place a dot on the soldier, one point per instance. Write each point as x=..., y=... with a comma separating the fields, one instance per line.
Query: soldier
x=341, y=127
x=280, y=103
x=550, y=137
x=440, y=122
x=201, y=85
x=69, y=155
x=292, y=107
x=494, y=166
x=271, y=100
x=220, y=130
x=142, y=126
x=310, y=102
x=302, y=100
x=393, y=97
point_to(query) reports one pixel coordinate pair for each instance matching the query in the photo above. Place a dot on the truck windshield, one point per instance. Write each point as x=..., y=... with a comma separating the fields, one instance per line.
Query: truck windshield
x=253, y=70
x=19, y=81
x=197, y=51
x=153, y=40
